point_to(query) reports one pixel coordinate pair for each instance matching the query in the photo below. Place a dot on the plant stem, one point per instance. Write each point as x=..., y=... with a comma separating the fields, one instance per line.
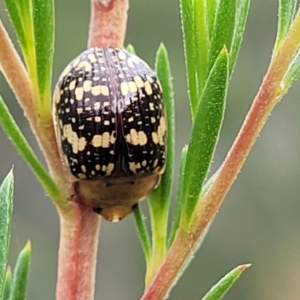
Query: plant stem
x=108, y=23
x=80, y=225
x=15, y=73
x=77, y=254
x=267, y=97
x=19, y=81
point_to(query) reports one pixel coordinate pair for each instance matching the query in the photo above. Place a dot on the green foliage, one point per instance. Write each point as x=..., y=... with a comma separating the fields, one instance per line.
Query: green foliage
x=33, y=21
x=286, y=14
x=12, y=130
x=6, y=208
x=20, y=276
x=205, y=132
x=143, y=233
x=219, y=290
x=7, y=284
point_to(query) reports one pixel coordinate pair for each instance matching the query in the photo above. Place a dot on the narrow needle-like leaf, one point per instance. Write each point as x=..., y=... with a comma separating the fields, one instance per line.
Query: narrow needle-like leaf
x=7, y=284
x=286, y=12
x=188, y=27
x=205, y=132
x=218, y=291
x=179, y=204
x=6, y=207
x=142, y=231
x=12, y=130
x=18, y=290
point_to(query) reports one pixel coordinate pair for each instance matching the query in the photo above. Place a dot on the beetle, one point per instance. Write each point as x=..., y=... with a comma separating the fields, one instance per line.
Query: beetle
x=110, y=123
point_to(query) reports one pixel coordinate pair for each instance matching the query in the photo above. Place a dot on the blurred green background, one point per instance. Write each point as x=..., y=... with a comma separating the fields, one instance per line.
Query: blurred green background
x=260, y=219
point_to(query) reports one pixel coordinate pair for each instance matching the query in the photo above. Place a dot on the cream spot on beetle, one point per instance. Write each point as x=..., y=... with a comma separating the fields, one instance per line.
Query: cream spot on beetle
x=121, y=55
x=148, y=88
x=83, y=168
x=130, y=119
x=97, y=140
x=158, y=170
x=112, y=138
x=105, y=139
x=151, y=106
x=139, y=81
x=96, y=90
x=57, y=94
x=134, y=166
x=104, y=90
x=86, y=66
x=144, y=163
x=79, y=110
x=106, y=122
x=92, y=58
x=154, y=137
x=142, y=138
x=132, y=87
x=155, y=163
x=72, y=85
x=110, y=168
x=79, y=93
x=149, y=78
x=81, y=176
x=87, y=85
x=98, y=167
x=97, y=119
x=97, y=105
x=161, y=130
x=132, y=137
x=136, y=137
x=153, y=120
x=124, y=88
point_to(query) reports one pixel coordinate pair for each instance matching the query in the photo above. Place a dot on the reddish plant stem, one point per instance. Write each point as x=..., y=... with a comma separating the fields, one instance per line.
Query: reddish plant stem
x=80, y=226
x=187, y=237
x=186, y=240
x=15, y=73
x=77, y=254
x=17, y=77
x=108, y=23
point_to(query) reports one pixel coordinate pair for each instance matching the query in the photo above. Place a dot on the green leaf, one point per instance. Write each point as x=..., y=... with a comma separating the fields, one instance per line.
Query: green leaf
x=286, y=12
x=43, y=16
x=130, y=49
x=21, y=17
x=13, y=132
x=292, y=72
x=211, y=8
x=223, y=29
x=188, y=27
x=18, y=290
x=20, y=12
x=239, y=28
x=205, y=132
x=219, y=290
x=6, y=208
x=202, y=43
x=159, y=199
x=142, y=231
x=7, y=284
x=162, y=194
x=33, y=21
x=176, y=217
